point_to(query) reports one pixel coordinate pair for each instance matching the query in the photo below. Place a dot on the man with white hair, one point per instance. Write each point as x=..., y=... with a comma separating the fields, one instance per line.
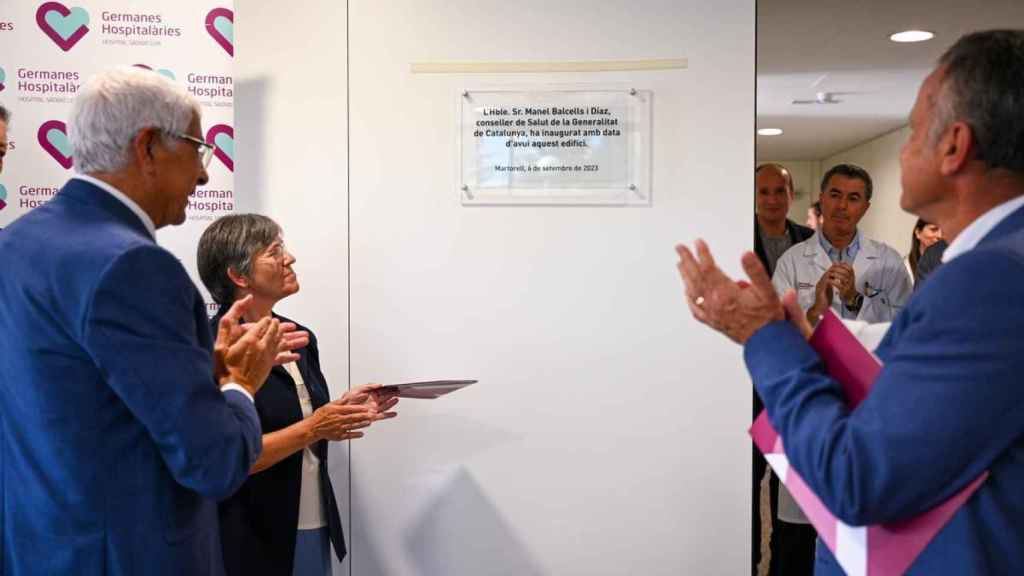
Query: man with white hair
x=116, y=439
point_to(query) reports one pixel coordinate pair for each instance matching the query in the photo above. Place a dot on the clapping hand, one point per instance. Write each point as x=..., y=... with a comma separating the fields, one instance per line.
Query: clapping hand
x=249, y=359
x=843, y=278
x=823, y=292
x=737, y=309
x=241, y=349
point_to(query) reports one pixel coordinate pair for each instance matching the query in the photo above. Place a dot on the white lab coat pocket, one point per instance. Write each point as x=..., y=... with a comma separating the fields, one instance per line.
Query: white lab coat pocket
x=805, y=294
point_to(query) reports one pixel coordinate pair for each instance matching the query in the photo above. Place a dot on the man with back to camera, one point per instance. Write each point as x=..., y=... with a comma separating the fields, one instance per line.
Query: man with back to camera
x=947, y=404
x=859, y=278
x=790, y=538
x=116, y=438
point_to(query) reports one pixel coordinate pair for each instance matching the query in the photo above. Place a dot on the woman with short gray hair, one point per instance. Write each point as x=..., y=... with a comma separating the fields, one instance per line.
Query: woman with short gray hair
x=284, y=518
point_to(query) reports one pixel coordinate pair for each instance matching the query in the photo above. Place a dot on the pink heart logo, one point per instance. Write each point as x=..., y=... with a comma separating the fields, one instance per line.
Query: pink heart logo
x=220, y=25
x=62, y=25
x=53, y=137
x=223, y=138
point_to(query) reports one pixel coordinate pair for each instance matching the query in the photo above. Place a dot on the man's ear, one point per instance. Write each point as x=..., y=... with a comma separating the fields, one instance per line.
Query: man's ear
x=143, y=147
x=237, y=279
x=955, y=148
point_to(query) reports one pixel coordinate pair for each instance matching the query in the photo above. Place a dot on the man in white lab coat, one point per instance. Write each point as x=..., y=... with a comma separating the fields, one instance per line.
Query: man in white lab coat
x=859, y=278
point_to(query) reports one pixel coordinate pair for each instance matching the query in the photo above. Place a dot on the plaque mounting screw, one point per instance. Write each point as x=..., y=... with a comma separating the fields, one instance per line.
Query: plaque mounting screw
x=465, y=94
x=632, y=91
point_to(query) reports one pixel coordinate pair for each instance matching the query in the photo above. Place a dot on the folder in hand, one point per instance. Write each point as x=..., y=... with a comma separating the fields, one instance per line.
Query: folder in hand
x=426, y=390
x=877, y=550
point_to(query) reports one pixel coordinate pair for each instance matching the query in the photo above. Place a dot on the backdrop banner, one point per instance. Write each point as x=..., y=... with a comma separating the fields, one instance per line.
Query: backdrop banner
x=48, y=50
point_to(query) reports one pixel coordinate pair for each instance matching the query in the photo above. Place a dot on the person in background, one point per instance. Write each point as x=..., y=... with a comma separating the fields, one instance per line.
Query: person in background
x=123, y=421
x=924, y=235
x=814, y=215
x=930, y=260
x=774, y=232
x=284, y=518
x=859, y=278
x=789, y=538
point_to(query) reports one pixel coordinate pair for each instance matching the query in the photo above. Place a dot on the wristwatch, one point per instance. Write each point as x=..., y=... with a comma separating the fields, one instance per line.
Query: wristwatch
x=854, y=306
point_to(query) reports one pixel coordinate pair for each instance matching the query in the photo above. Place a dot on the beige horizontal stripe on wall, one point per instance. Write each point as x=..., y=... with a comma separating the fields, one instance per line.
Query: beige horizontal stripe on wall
x=534, y=67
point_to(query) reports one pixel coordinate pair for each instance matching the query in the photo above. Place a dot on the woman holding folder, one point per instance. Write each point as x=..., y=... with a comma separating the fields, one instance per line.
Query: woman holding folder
x=284, y=519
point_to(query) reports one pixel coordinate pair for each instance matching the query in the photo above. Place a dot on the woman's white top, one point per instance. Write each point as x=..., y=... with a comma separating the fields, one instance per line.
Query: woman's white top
x=311, y=507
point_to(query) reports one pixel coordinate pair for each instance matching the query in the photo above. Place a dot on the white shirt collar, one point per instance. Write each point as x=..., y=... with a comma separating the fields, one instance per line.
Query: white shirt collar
x=970, y=236
x=146, y=220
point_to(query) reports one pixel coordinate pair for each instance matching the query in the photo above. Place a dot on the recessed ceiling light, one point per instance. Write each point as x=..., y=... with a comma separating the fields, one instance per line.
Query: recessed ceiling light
x=770, y=131
x=911, y=36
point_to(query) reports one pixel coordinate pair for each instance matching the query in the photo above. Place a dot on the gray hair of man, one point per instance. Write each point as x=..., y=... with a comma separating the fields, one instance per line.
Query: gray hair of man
x=114, y=106
x=231, y=242
x=848, y=171
x=982, y=86
x=5, y=115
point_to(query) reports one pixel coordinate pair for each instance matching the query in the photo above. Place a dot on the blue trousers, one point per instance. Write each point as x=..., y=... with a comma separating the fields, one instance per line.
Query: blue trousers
x=312, y=553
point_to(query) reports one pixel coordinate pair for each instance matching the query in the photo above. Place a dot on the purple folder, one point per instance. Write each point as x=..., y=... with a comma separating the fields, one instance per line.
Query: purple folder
x=877, y=550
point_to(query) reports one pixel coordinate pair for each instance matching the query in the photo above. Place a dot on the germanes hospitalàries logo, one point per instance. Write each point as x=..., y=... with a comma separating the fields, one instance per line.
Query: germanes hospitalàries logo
x=65, y=26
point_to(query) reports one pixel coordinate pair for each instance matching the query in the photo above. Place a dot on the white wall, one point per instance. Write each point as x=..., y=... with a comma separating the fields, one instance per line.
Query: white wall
x=607, y=434
x=885, y=221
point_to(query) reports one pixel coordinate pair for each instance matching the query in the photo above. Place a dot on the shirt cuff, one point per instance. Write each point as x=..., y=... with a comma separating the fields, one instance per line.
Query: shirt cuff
x=237, y=388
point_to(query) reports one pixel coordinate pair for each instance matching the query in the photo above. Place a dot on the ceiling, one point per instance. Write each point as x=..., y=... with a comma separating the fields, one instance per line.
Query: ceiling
x=810, y=46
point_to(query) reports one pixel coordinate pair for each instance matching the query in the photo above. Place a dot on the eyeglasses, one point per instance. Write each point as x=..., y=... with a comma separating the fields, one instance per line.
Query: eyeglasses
x=276, y=251
x=203, y=149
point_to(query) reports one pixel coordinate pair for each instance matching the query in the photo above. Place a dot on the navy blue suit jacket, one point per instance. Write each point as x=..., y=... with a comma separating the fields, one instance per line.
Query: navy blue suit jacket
x=948, y=405
x=116, y=440
x=259, y=522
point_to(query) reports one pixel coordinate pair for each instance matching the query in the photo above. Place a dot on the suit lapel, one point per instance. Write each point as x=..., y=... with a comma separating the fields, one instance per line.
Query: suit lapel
x=282, y=373
x=866, y=258
x=794, y=238
x=814, y=251
x=315, y=397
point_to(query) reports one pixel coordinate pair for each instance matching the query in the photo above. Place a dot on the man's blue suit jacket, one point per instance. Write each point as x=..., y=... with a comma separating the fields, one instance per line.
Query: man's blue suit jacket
x=948, y=405
x=116, y=440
